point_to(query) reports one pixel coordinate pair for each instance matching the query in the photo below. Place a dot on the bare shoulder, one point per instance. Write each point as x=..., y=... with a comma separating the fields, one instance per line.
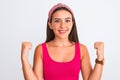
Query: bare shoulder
x=84, y=50
x=38, y=50
x=39, y=47
x=37, y=54
x=82, y=46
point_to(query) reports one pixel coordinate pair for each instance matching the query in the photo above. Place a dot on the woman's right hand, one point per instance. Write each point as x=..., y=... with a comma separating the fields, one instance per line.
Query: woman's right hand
x=26, y=46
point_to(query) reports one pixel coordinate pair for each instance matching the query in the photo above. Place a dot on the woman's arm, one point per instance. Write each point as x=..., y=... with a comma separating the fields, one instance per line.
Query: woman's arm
x=29, y=73
x=38, y=63
x=87, y=72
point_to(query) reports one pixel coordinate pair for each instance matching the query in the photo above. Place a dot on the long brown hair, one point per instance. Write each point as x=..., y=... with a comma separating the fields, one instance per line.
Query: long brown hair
x=73, y=36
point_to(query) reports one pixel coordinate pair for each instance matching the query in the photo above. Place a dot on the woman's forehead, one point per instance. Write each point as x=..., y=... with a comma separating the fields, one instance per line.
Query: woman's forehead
x=62, y=14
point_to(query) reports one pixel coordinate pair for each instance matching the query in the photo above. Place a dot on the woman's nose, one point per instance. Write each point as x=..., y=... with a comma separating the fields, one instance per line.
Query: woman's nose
x=62, y=25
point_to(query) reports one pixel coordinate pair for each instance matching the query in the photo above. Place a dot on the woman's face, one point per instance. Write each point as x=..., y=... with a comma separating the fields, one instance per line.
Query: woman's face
x=61, y=23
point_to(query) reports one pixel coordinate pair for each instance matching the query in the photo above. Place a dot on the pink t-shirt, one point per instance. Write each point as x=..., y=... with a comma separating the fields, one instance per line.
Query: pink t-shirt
x=53, y=70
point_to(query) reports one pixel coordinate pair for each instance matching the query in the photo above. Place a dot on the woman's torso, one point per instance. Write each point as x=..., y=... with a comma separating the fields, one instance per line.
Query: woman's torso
x=61, y=63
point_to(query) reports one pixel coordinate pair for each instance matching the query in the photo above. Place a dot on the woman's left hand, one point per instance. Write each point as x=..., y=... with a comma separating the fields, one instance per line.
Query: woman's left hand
x=99, y=46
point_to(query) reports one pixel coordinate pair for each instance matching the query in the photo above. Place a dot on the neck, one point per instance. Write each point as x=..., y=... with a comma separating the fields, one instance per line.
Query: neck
x=61, y=42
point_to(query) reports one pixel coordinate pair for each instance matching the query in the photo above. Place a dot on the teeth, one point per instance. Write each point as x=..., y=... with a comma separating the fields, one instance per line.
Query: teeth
x=62, y=31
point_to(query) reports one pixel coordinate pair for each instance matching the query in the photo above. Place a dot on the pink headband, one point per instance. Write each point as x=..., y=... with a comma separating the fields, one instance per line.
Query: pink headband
x=56, y=6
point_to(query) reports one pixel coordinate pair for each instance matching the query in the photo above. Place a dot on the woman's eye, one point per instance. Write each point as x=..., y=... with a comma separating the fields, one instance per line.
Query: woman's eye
x=67, y=21
x=56, y=21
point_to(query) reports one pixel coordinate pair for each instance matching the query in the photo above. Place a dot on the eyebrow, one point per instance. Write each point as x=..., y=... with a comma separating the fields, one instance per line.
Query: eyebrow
x=65, y=18
x=68, y=18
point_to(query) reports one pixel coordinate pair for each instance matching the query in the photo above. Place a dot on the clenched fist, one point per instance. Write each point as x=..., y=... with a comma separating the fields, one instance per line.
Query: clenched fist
x=26, y=46
x=99, y=46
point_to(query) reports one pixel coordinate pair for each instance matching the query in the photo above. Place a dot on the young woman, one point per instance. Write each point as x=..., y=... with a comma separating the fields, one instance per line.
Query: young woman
x=61, y=56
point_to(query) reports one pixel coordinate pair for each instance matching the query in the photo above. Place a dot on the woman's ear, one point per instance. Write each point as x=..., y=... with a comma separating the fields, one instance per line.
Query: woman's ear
x=50, y=25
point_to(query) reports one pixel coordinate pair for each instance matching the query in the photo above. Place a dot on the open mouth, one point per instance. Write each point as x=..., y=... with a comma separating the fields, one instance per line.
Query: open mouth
x=62, y=31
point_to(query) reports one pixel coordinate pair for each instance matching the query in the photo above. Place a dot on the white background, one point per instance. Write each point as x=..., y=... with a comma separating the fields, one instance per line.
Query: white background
x=25, y=20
